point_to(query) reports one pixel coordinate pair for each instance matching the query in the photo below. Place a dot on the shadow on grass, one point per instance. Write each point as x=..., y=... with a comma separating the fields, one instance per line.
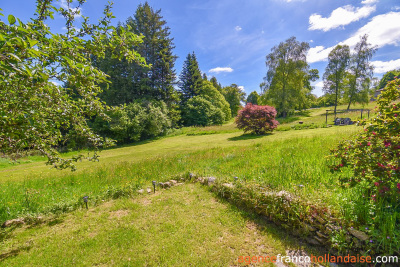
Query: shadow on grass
x=247, y=137
x=291, y=242
x=13, y=252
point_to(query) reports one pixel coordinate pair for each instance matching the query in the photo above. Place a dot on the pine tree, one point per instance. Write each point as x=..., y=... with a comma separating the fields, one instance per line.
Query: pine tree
x=190, y=78
x=132, y=81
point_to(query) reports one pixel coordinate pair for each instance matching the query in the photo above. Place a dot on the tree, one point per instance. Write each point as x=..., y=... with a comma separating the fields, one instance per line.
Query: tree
x=257, y=119
x=234, y=96
x=387, y=77
x=360, y=72
x=253, y=98
x=135, y=121
x=335, y=72
x=190, y=78
x=216, y=108
x=284, y=86
x=35, y=112
x=216, y=84
x=132, y=81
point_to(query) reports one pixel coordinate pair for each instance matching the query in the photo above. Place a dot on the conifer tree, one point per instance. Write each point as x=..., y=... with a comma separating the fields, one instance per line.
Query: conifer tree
x=190, y=78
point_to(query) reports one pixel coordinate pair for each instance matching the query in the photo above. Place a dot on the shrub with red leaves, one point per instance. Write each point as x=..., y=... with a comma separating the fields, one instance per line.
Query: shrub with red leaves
x=257, y=119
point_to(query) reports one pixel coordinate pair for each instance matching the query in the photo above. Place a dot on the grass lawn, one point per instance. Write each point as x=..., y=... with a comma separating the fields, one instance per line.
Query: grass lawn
x=280, y=160
x=181, y=226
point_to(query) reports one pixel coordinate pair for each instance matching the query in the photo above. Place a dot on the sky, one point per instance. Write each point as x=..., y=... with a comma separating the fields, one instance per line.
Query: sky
x=231, y=38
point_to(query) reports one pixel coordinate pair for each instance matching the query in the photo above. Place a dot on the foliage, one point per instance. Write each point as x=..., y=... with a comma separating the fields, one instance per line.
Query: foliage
x=135, y=121
x=190, y=78
x=201, y=112
x=216, y=84
x=234, y=96
x=373, y=155
x=387, y=77
x=253, y=98
x=335, y=72
x=132, y=81
x=360, y=72
x=287, y=82
x=257, y=119
x=35, y=112
x=207, y=108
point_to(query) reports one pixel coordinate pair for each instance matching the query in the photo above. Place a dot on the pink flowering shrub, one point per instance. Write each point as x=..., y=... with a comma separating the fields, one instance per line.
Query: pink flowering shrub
x=373, y=156
x=257, y=119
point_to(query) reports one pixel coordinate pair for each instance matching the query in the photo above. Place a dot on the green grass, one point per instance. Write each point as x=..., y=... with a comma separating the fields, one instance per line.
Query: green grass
x=182, y=226
x=280, y=160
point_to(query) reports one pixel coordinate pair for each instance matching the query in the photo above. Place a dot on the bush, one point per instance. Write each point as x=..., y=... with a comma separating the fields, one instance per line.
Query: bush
x=257, y=119
x=373, y=155
x=370, y=164
x=201, y=112
x=207, y=108
x=135, y=121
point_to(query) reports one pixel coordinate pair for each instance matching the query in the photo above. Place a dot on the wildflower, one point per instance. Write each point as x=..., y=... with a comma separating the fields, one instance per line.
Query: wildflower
x=371, y=241
x=369, y=143
x=376, y=184
x=398, y=186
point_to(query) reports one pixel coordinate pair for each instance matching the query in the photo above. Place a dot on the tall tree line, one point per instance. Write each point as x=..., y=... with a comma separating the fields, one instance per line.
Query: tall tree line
x=348, y=75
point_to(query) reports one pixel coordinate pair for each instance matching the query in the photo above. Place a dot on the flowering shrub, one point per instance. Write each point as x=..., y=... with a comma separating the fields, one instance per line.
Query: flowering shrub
x=373, y=157
x=257, y=119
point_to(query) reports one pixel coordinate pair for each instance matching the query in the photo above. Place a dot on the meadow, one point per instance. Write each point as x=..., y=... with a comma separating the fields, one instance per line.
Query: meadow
x=282, y=160
x=294, y=160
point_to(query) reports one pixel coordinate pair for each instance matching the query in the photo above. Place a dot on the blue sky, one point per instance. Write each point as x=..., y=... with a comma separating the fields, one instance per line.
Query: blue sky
x=231, y=38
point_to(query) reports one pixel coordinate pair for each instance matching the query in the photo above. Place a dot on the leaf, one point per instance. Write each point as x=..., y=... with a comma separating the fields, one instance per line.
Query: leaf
x=11, y=19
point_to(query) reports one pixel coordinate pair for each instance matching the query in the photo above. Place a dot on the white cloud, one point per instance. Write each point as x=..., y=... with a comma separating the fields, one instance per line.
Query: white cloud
x=220, y=69
x=241, y=88
x=396, y=8
x=318, y=53
x=382, y=30
x=339, y=17
x=369, y=2
x=238, y=28
x=385, y=66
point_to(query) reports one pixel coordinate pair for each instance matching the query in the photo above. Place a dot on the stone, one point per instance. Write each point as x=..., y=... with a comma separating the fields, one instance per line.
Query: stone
x=321, y=235
x=319, y=219
x=192, y=175
x=228, y=185
x=200, y=179
x=360, y=235
x=148, y=190
x=141, y=191
x=211, y=180
x=179, y=184
x=13, y=222
x=167, y=185
x=284, y=194
x=309, y=228
x=161, y=185
x=174, y=182
x=320, y=240
x=312, y=241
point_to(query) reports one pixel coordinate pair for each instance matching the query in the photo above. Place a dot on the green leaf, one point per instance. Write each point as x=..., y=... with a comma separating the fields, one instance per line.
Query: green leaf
x=11, y=19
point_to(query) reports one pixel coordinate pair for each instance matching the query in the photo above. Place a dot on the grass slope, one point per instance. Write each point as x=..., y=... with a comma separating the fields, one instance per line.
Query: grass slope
x=182, y=226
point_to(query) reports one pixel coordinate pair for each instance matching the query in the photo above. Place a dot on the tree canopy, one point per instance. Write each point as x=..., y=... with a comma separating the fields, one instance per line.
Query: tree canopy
x=360, y=72
x=36, y=111
x=286, y=84
x=336, y=71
